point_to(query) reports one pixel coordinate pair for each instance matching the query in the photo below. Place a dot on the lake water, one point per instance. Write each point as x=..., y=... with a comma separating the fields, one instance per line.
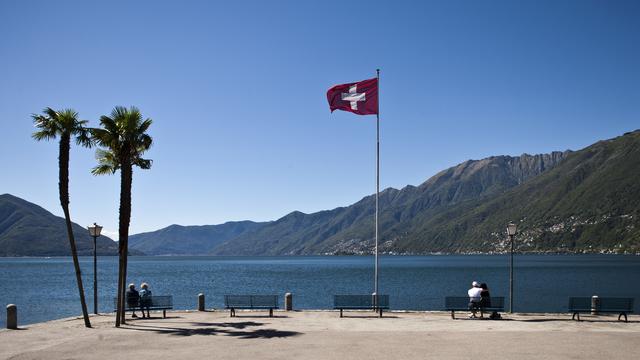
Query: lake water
x=45, y=288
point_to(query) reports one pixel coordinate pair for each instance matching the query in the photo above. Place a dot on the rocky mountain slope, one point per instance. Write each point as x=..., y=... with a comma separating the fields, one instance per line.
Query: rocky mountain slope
x=350, y=230
x=588, y=203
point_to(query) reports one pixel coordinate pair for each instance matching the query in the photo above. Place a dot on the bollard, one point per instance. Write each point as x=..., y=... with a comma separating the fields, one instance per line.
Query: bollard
x=288, y=302
x=12, y=317
x=201, y=302
x=595, y=304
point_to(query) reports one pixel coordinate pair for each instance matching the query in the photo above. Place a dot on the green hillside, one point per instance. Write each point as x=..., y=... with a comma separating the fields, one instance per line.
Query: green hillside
x=588, y=203
x=27, y=229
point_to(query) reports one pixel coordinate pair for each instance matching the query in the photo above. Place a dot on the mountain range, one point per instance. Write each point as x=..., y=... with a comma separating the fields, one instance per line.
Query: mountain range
x=27, y=229
x=189, y=240
x=568, y=201
x=563, y=202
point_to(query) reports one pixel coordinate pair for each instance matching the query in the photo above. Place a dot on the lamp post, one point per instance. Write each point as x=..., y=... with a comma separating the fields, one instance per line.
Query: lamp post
x=511, y=231
x=95, y=232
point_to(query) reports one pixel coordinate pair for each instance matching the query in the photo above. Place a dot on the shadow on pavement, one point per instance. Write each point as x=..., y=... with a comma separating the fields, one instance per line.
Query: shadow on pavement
x=240, y=330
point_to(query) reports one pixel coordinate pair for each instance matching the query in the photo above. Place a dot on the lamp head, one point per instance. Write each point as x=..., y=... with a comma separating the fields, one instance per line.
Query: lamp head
x=95, y=229
x=512, y=229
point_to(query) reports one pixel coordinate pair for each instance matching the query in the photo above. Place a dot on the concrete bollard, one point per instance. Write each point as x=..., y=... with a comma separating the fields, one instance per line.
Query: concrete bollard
x=201, y=302
x=288, y=301
x=595, y=304
x=12, y=317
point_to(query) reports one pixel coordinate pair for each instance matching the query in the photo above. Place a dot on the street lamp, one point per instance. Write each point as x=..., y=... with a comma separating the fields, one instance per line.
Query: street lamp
x=95, y=232
x=511, y=231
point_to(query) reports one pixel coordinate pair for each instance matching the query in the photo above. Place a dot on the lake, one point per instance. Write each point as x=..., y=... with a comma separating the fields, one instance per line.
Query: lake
x=45, y=288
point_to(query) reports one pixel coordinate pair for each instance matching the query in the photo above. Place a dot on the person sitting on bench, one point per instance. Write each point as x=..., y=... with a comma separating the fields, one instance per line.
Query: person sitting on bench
x=474, y=299
x=485, y=301
x=133, y=299
x=145, y=299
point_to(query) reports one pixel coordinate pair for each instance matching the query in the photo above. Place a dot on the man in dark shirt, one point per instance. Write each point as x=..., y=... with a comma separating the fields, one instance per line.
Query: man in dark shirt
x=133, y=299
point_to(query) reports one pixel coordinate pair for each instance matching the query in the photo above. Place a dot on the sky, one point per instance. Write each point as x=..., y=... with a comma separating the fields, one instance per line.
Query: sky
x=237, y=94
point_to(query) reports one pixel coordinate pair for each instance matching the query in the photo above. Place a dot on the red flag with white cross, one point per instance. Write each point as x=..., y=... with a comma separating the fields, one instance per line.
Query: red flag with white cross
x=359, y=98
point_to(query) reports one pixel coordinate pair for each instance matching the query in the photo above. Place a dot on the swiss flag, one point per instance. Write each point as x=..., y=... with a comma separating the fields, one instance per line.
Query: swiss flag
x=359, y=98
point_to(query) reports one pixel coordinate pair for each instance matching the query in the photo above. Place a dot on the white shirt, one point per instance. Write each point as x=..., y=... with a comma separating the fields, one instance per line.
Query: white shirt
x=474, y=294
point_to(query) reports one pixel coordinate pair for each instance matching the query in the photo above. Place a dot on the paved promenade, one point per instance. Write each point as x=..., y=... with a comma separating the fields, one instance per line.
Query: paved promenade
x=323, y=335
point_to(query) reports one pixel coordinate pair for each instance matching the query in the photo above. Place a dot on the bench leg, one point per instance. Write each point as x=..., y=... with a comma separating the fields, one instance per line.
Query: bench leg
x=270, y=312
x=164, y=314
x=575, y=315
x=625, y=317
x=232, y=313
x=340, y=312
x=453, y=316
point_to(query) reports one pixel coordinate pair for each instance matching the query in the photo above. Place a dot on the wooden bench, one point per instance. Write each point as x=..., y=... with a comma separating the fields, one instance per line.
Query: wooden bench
x=233, y=302
x=461, y=303
x=361, y=302
x=621, y=306
x=161, y=302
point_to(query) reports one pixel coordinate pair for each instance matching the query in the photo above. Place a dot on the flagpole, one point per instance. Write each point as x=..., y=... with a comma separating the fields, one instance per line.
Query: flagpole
x=377, y=176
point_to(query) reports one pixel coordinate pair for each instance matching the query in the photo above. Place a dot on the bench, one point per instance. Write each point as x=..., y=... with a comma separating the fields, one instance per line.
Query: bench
x=361, y=302
x=461, y=303
x=233, y=302
x=162, y=302
x=621, y=306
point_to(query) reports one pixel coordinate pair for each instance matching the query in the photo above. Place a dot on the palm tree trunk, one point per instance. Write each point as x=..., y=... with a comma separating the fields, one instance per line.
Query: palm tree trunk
x=128, y=172
x=126, y=179
x=119, y=296
x=63, y=185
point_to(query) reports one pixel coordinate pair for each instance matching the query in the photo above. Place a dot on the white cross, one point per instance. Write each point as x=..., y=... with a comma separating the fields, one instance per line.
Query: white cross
x=353, y=97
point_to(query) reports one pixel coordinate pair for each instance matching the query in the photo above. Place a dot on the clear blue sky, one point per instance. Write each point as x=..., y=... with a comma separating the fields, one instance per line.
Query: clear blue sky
x=236, y=90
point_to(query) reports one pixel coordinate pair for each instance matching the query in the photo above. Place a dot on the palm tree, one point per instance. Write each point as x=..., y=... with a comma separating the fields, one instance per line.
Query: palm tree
x=124, y=139
x=65, y=124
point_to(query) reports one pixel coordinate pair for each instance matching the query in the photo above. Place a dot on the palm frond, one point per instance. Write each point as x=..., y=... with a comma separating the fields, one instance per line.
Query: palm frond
x=144, y=164
x=107, y=163
x=144, y=142
x=123, y=136
x=47, y=124
x=144, y=126
x=83, y=138
x=103, y=170
x=54, y=123
x=50, y=112
x=44, y=135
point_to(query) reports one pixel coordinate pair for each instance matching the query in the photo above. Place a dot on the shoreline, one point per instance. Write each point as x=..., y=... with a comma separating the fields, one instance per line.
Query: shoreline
x=435, y=254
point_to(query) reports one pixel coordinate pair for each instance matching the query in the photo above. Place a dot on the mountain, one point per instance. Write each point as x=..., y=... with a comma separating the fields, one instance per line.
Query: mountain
x=582, y=201
x=350, y=230
x=27, y=229
x=189, y=240
x=587, y=203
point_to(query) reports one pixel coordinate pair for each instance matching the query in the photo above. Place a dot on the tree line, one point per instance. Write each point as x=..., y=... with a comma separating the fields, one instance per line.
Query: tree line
x=122, y=139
